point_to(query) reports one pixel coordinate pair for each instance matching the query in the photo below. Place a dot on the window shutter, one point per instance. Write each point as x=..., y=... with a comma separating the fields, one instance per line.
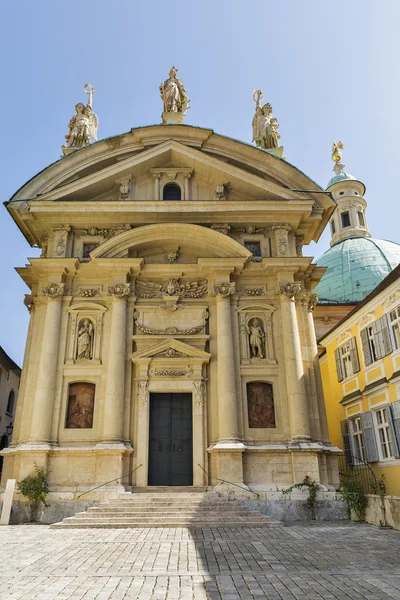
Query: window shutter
x=344, y=426
x=368, y=429
x=386, y=340
x=377, y=332
x=355, y=363
x=365, y=347
x=394, y=420
x=339, y=369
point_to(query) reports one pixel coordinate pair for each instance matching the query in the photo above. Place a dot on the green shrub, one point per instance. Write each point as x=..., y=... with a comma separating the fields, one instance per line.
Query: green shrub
x=35, y=488
x=312, y=487
x=354, y=497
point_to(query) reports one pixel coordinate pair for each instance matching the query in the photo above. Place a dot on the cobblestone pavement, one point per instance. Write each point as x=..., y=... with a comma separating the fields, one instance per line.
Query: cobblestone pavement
x=334, y=561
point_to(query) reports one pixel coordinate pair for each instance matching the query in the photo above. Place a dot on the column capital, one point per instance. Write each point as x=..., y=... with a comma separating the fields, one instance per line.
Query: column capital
x=281, y=226
x=223, y=290
x=289, y=289
x=53, y=290
x=119, y=290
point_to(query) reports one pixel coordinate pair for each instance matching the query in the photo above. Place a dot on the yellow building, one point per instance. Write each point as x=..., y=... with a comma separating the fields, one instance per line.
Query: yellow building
x=360, y=370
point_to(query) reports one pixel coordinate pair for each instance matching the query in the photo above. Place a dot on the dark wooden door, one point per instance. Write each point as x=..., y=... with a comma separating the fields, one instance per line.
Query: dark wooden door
x=170, y=440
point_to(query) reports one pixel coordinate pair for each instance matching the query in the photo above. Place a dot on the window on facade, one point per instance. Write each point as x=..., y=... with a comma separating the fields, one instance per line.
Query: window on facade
x=333, y=228
x=383, y=430
x=345, y=219
x=346, y=357
x=394, y=318
x=87, y=249
x=255, y=249
x=361, y=219
x=357, y=438
x=172, y=192
x=375, y=340
x=10, y=403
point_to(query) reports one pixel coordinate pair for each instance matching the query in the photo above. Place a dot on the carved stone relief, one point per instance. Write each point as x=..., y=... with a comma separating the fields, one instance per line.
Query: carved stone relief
x=29, y=301
x=199, y=394
x=154, y=372
x=53, y=290
x=299, y=245
x=223, y=289
x=221, y=191
x=60, y=239
x=290, y=289
x=89, y=292
x=169, y=330
x=119, y=290
x=281, y=238
x=171, y=287
x=106, y=233
x=171, y=255
x=254, y=291
x=221, y=228
x=124, y=188
x=143, y=394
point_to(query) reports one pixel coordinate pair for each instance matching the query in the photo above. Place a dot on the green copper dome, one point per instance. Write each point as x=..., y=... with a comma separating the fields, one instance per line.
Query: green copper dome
x=341, y=177
x=355, y=267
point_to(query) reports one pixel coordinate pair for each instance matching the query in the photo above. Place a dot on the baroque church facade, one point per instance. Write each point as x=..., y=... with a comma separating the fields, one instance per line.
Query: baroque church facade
x=171, y=338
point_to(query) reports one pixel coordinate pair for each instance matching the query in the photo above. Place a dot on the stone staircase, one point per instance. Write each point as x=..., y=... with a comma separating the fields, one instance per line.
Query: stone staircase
x=167, y=509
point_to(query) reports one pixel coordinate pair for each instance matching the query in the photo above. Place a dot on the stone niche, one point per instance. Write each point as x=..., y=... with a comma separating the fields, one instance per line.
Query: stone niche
x=84, y=333
x=256, y=333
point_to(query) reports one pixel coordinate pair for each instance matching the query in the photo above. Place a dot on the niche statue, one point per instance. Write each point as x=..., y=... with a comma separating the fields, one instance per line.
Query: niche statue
x=256, y=338
x=85, y=340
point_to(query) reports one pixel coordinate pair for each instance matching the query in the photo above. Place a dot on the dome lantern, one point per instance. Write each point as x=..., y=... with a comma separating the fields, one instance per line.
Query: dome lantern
x=349, y=219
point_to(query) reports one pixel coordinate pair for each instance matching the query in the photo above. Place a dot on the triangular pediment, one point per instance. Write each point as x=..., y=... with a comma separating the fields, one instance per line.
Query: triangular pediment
x=179, y=350
x=101, y=184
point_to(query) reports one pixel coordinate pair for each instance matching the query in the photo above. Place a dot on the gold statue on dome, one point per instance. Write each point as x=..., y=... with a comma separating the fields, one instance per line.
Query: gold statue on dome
x=337, y=157
x=83, y=125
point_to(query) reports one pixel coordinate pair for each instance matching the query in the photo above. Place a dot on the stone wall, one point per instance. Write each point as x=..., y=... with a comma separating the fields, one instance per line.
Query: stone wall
x=375, y=515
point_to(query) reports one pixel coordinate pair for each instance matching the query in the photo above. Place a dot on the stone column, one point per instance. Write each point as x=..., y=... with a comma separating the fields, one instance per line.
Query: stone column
x=298, y=410
x=187, y=177
x=115, y=385
x=157, y=178
x=317, y=373
x=42, y=413
x=143, y=425
x=227, y=404
x=199, y=390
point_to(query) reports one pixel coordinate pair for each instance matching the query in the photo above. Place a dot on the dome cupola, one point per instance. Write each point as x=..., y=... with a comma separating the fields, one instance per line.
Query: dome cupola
x=349, y=219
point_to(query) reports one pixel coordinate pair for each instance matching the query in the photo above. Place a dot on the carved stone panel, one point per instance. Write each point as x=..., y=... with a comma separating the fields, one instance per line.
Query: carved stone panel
x=80, y=407
x=260, y=405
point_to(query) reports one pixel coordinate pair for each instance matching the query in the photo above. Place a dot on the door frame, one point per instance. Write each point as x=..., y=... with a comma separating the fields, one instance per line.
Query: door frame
x=197, y=390
x=188, y=401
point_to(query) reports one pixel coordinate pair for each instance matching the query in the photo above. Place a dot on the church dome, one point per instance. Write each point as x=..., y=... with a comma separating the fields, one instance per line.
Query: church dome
x=355, y=267
x=341, y=177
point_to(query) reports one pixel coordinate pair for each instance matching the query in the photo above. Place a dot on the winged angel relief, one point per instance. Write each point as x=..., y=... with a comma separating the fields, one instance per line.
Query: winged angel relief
x=171, y=287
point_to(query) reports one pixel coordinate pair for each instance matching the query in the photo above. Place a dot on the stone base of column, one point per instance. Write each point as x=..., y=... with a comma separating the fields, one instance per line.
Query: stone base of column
x=227, y=465
x=75, y=470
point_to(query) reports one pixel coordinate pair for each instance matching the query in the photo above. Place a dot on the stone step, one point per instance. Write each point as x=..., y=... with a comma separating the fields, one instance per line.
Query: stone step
x=176, y=489
x=165, y=509
x=168, y=510
x=163, y=514
x=171, y=524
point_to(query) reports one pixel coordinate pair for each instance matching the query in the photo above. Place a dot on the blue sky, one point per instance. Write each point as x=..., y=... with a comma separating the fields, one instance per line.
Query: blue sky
x=329, y=69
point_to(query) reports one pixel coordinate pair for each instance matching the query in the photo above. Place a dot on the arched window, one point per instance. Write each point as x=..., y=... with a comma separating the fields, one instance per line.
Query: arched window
x=10, y=403
x=172, y=192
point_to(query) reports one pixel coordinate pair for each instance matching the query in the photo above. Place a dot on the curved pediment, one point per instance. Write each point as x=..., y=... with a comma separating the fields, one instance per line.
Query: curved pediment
x=195, y=240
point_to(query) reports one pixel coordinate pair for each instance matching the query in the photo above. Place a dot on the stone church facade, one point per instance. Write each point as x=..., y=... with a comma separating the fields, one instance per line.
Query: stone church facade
x=171, y=338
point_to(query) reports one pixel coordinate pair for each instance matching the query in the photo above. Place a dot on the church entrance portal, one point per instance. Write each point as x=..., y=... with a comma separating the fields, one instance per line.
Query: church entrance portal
x=170, y=440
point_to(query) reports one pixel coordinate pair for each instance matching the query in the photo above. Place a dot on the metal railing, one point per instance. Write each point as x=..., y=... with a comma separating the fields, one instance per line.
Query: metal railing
x=358, y=470
x=226, y=481
x=107, y=482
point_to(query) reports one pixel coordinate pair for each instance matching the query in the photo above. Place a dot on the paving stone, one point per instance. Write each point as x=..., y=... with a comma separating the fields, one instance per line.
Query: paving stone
x=334, y=561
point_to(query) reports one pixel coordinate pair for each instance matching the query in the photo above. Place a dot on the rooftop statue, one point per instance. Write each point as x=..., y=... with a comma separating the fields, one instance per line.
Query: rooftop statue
x=265, y=126
x=83, y=125
x=337, y=157
x=174, y=98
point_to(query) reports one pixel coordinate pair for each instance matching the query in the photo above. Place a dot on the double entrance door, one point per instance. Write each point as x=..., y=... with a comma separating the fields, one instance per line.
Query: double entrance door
x=170, y=440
